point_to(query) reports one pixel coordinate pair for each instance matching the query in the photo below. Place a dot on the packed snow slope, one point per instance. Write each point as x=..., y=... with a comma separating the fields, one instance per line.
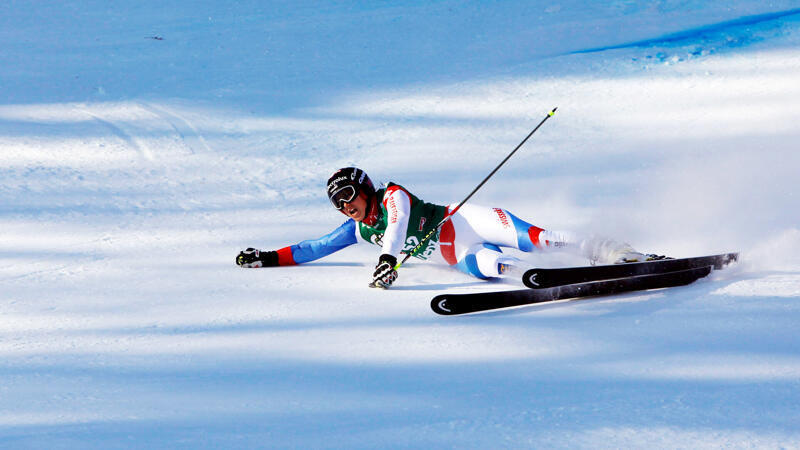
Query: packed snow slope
x=143, y=144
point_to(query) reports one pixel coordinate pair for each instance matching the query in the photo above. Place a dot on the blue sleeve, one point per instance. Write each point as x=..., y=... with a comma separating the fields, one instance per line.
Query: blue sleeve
x=334, y=241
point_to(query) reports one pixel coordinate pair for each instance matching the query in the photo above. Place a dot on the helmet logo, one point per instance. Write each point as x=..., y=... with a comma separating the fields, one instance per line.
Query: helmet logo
x=335, y=182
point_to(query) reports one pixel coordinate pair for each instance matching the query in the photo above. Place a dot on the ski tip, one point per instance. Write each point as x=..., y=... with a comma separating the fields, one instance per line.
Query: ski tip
x=552, y=111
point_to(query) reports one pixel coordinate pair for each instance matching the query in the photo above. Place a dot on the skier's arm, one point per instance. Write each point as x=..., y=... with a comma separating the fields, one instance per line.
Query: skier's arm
x=302, y=252
x=398, y=211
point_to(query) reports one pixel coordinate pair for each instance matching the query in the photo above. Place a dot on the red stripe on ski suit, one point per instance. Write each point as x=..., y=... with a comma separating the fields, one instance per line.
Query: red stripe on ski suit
x=447, y=237
x=285, y=257
x=533, y=233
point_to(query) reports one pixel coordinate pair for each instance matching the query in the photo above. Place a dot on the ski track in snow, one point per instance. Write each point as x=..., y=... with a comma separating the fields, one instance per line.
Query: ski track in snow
x=187, y=132
x=127, y=192
x=125, y=136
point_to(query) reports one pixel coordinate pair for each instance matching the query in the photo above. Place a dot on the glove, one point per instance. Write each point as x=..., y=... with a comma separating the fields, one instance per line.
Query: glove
x=253, y=257
x=384, y=274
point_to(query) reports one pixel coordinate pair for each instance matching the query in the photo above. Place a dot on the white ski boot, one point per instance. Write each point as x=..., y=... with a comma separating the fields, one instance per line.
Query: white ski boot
x=608, y=251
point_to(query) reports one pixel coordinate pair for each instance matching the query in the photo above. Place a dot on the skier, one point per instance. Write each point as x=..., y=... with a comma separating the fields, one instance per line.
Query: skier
x=397, y=221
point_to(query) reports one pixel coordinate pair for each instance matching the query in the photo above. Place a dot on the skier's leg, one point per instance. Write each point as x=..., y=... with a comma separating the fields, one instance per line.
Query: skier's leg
x=594, y=248
x=500, y=227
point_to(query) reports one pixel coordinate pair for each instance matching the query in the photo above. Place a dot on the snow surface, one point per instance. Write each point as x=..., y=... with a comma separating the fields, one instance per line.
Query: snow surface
x=143, y=144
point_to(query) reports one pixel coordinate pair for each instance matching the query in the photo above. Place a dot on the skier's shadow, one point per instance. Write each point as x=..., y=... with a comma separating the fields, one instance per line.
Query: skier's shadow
x=333, y=264
x=442, y=286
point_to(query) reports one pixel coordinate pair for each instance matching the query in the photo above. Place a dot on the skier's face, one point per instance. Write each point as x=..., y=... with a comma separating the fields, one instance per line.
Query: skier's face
x=357, y=209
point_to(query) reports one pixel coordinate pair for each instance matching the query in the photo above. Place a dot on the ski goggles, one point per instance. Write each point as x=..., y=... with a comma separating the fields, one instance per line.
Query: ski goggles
x=345, y=194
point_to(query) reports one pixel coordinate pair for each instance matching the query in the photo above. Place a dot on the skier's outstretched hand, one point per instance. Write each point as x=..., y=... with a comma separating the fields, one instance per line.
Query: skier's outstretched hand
x=384, y=274
x=253, y=257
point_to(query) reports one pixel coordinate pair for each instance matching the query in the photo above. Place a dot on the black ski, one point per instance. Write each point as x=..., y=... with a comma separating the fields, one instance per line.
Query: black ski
x=452, y=304
x=546, y=278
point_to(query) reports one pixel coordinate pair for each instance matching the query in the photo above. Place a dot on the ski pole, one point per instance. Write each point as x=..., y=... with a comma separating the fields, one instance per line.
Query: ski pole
x=450, y=214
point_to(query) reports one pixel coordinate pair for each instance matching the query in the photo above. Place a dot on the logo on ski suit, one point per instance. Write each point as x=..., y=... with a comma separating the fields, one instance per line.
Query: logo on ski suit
x=412, y=242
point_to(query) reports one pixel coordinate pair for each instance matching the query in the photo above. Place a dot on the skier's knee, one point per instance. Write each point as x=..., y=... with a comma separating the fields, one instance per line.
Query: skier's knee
x=480, y=261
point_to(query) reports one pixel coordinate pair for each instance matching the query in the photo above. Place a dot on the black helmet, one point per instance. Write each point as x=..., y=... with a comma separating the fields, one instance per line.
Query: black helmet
x=345, y=185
